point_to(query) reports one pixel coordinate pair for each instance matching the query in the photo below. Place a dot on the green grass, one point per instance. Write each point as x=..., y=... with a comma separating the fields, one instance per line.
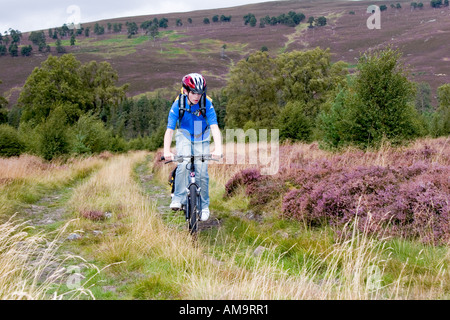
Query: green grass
x=113, y=41
x=176, y=36
x=116, y=45
x=120, y=45
x=287, y=242
x=172, y=51
x=159, y=283
x=215, y=46
x=416, y=259
x=21, y=193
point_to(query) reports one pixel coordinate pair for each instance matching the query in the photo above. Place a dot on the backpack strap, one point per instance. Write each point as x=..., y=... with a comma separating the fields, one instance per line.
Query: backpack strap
x=181, y=107
x=202, y=105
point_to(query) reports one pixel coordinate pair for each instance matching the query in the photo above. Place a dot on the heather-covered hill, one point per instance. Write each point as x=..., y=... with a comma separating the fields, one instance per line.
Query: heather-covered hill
x=148, y=65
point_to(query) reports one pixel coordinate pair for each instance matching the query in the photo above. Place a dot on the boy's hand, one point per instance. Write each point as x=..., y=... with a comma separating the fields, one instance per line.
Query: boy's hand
x=216, y=155
x=168, y=156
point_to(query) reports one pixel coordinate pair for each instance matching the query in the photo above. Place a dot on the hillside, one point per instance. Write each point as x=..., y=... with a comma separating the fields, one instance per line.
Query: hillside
x=147, y=65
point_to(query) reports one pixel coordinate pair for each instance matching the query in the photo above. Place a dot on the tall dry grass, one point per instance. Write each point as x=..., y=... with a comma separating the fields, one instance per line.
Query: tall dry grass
x=30, y=265
x=31, y=268
x=386, y=155
x=353, y=269
x=140, y=233
x=34, y=168
x=27, y=178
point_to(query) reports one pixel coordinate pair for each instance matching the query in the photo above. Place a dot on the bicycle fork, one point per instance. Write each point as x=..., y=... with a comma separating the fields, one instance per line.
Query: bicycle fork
x=188, y=196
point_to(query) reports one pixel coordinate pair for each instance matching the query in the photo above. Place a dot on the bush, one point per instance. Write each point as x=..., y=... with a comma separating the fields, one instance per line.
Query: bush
x=245, y=177
x=26, y=51
x=377, y=105
x=440, y=125
x=156, y=139
x=90, y=135
x=3, y=114
x=408, y=200
x=118, y=144
x=293, y=122
x=30, y=138
x=54, y=137
x=10, y=144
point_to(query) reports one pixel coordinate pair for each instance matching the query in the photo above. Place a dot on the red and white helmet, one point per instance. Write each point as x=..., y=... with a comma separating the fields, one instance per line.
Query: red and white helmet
x=194, y=82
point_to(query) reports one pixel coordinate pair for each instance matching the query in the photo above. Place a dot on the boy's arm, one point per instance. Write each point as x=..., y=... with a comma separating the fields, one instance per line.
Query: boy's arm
x=168, y=155
x=171, y=124
x=217, y=136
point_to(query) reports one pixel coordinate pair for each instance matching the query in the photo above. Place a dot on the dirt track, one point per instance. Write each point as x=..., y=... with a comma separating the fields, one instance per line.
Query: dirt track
x=162, y=196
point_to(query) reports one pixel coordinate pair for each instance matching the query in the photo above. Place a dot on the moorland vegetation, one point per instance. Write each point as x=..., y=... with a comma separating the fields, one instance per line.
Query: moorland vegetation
x=359, y=208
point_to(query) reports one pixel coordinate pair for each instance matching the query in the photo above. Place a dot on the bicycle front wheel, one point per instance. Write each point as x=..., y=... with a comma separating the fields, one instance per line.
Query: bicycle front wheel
x=193, y=209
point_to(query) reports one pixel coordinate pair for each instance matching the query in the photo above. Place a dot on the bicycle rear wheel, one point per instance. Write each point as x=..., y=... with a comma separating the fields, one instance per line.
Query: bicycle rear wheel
x=193, y=209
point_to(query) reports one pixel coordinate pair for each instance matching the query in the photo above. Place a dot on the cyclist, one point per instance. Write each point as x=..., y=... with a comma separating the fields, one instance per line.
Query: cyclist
x=192, y=137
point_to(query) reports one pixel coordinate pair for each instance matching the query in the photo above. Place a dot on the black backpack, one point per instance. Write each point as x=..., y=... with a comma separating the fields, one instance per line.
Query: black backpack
x=182, y=109
x=182, y=106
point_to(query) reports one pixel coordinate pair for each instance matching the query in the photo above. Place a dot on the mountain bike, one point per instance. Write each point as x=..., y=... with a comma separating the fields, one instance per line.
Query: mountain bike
x=192, y=209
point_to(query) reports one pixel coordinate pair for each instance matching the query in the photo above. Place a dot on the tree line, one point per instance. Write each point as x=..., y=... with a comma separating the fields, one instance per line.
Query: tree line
x=417, y=5
x=215, y=19
x=68, y=108
x=10, y=41
x=309, y=98
x=290, y=19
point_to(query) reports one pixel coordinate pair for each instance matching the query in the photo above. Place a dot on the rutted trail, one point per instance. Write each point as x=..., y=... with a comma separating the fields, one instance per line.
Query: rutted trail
x=47, y=210
x=161, y=195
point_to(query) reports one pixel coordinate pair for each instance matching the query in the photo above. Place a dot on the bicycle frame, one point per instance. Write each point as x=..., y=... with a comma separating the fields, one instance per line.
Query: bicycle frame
x=192, y=209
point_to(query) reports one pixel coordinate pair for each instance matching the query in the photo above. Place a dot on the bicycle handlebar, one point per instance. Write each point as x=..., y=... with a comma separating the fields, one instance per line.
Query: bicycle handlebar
x=180, y=159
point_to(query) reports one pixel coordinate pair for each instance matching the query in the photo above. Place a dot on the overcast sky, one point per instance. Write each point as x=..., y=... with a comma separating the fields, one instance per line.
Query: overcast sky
x=30, y=15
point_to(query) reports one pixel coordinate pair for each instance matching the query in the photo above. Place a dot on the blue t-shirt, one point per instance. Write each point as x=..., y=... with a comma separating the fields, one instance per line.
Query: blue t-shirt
x=193, y=124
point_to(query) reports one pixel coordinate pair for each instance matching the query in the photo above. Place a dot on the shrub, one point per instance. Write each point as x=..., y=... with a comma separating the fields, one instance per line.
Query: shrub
x=54, y=138
x=376, y=106
x=10, y=144
x=293, y=123
x=94, y=215
x=245, y=177
x=440, y=122
x=3, y=113
x=410, y=199
x=156, y=139
x=90, y=135
x=30, y=138
x=26, y=50
x=118, y=144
